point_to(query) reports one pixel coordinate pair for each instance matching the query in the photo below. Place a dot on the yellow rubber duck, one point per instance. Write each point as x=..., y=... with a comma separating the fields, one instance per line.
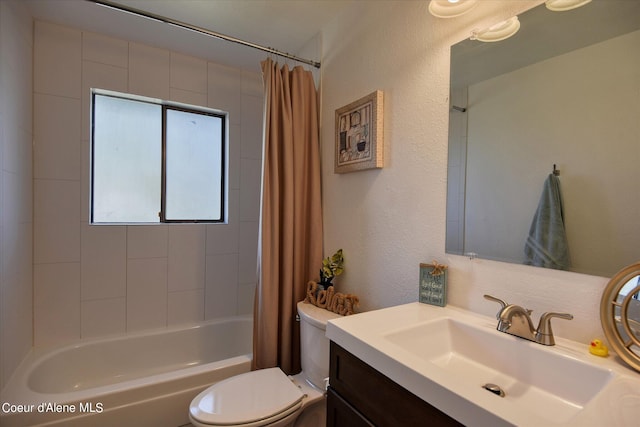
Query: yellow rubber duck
x=597, y=348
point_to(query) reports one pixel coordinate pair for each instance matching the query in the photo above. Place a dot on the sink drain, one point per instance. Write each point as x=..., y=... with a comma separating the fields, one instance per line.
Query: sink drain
x=495, y=389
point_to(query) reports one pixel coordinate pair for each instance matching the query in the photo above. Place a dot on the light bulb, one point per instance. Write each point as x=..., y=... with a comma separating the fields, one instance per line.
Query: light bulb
x=497, y=32
x=450, y=8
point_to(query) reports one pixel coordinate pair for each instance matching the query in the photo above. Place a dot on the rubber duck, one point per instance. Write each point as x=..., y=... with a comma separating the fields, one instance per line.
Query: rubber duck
x=598, y=348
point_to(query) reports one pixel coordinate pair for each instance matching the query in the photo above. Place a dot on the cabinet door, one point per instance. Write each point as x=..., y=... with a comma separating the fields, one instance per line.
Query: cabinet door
x=341, y=414
x=378, y=398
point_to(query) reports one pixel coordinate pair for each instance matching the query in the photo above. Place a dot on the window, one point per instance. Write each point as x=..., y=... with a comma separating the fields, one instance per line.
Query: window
x=153, y=161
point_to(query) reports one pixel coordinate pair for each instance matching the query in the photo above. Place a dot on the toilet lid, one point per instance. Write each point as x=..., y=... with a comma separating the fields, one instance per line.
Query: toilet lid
x=246, y=398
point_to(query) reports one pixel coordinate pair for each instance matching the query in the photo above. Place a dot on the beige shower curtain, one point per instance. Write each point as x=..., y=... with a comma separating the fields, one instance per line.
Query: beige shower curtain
x=290, y=250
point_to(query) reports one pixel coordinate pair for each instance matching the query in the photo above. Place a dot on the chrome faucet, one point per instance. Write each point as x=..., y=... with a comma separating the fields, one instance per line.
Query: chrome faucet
x=516, y=320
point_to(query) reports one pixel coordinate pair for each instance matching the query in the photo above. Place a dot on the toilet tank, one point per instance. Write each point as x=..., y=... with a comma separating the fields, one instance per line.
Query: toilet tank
x=314, y=345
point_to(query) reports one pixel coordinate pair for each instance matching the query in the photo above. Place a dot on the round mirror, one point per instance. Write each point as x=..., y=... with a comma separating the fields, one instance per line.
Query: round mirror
x=620, y=314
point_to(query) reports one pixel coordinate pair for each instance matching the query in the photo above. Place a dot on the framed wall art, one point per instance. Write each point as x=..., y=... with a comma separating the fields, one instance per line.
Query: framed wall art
x=359, y=134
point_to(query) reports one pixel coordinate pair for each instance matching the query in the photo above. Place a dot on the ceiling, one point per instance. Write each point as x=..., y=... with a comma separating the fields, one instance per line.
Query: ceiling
x=284, y=25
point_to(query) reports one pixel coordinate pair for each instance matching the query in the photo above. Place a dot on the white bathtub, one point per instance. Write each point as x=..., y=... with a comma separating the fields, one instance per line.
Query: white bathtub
x=142, y=379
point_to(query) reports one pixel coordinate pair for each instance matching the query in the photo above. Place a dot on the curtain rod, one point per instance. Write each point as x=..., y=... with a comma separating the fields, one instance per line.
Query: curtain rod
x=200, y=30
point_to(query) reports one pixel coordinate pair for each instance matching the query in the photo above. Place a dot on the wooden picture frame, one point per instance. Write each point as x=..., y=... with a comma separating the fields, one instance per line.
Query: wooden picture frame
x=360, y=135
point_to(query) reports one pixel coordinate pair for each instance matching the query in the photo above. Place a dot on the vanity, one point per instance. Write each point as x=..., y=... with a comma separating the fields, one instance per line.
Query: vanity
x=417, y=364
x=360, y=395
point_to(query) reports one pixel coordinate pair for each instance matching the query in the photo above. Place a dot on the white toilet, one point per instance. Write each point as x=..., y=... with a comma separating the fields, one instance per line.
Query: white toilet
x=268, y=397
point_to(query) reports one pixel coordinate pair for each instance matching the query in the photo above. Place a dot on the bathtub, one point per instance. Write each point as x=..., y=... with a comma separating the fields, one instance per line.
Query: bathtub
x=141, y=379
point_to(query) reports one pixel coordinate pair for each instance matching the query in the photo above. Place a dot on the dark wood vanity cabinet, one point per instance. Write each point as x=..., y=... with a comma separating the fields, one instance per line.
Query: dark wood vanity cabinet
x=359, y=395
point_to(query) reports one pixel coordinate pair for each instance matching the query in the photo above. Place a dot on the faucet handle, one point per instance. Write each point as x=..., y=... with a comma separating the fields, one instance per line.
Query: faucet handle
x=544, y=334
x=498, y=300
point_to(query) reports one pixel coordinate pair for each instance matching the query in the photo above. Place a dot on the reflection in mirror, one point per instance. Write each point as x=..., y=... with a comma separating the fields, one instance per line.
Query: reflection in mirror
x=630, y=289
x=563, y=91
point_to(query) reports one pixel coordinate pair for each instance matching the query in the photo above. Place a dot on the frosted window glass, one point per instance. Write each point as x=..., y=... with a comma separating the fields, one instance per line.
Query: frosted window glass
x=193, y=166
x=127, y=138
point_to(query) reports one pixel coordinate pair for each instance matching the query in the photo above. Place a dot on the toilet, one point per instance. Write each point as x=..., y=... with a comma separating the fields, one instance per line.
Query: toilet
x=268, y=397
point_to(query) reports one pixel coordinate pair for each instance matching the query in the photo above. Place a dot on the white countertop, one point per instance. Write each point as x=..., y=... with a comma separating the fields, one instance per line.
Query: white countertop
x=364, y=335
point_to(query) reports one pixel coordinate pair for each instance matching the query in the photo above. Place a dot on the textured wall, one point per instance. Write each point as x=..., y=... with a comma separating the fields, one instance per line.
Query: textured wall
x=389, y=220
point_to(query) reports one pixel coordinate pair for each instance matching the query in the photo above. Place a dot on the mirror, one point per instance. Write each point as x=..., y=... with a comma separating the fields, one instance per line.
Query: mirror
x=562, y=91
x=620, y=314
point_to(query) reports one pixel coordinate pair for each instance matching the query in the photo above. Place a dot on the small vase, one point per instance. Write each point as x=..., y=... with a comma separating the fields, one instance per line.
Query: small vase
x=324, y=285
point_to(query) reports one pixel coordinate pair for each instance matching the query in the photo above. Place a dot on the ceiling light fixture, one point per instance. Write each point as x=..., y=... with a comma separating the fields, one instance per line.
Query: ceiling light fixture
x=500, y=31
x=562, y=5
x=450, y=8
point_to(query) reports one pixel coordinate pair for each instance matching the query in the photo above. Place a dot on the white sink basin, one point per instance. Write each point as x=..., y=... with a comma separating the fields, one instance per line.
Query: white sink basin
x=532, y=376
x=444, y=355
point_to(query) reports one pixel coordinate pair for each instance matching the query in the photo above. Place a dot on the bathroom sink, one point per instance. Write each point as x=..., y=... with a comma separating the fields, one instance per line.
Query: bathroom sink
x=445, y=355
x=533, y=377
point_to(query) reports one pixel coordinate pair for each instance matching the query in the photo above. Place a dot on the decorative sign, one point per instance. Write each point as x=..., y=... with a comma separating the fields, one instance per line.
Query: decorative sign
x=433, y=284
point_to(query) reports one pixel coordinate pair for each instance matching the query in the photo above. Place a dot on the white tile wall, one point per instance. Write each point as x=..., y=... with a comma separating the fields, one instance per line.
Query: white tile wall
x=146, y=293
x=56, y=152
x=186, y=306
x=224, y=239
x=16, y=186
x=101, y=49
x=221, y=296
x=100, y=280
x=56, y=302
x=56, y=221
x=187, y=250
x=104, y=262
x=188, y=73
x=147, y=241
x=187, y=97
x=225, y=86
x=250, y=173
x=149, y=71
x=57, y=61
x=100, y=317
x=248, y=252
x=251, y=146
x=235, y=134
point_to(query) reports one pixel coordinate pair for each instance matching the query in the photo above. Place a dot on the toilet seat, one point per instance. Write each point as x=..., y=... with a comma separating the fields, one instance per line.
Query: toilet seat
x=252, y=399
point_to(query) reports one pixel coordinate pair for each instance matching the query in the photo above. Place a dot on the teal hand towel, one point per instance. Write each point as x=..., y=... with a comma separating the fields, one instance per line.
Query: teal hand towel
x=546, y=244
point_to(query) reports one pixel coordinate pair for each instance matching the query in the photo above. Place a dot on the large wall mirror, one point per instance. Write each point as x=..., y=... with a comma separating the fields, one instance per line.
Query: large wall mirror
x=564, y=91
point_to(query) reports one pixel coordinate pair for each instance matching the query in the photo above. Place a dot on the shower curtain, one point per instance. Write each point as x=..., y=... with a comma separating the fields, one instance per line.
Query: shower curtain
x=290, y=249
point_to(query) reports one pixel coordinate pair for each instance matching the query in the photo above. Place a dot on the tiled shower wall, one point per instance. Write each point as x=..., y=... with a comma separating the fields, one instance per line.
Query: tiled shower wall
x=16, y=43
x=456, y=173
x=100, y=280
